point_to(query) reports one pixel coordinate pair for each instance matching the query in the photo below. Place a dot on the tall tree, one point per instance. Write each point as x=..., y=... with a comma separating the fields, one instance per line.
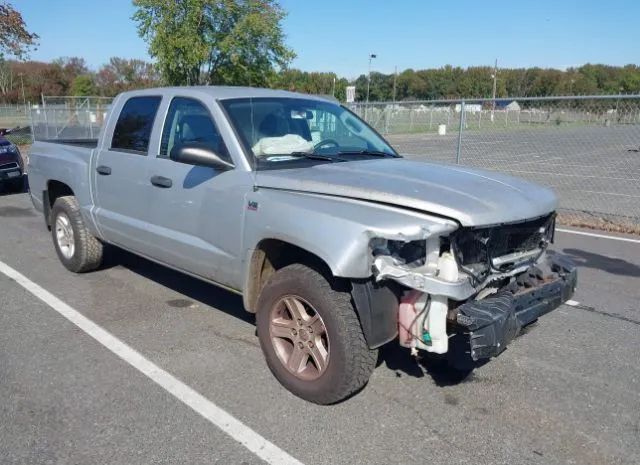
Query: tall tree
x=122, y=74
x=237, y=42
x=15, y=39
x=83, y=86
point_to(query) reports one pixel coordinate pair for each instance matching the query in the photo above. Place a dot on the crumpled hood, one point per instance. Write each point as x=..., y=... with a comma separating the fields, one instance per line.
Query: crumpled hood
x=471, y=196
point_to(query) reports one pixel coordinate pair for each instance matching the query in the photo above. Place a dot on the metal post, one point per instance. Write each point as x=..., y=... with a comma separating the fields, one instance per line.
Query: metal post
x=387, y=113
x=366, y=110
x=33, y=129
x=46, y=119
x=395, y=78
x=495, y=79
x=460, y=132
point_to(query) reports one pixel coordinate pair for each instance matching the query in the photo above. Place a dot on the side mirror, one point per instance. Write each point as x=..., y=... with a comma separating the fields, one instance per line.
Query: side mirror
x=199, y=155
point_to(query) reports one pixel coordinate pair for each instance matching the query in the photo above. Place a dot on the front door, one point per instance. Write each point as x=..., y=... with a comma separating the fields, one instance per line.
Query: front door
x=121, y=174
x=195, y=212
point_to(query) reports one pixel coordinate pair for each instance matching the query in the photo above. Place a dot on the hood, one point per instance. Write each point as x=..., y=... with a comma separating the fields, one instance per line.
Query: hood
x=470, y=196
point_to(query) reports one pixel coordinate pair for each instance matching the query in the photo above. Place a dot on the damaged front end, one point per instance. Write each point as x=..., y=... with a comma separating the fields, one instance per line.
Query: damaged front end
x=475, y=289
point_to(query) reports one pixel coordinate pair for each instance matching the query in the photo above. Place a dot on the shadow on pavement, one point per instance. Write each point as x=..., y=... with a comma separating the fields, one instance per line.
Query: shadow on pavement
x=399, y=360
x=192, y=288
x=612, y=265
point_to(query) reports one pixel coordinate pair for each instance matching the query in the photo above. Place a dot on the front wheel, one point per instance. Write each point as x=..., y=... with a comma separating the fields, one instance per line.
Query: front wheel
x=311, y=336
x=77, y=249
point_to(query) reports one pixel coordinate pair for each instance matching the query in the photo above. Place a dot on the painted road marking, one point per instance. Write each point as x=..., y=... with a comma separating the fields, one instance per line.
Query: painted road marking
x=261, y=447
x=602, y=236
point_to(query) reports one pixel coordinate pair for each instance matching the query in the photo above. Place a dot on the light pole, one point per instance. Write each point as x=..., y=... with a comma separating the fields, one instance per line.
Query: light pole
x=366, y=109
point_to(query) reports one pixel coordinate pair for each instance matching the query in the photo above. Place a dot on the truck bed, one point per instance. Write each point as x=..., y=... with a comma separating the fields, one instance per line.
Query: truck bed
x=85, y=143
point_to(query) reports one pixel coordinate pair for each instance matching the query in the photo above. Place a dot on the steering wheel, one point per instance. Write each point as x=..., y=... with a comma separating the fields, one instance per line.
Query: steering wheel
x=326, y=142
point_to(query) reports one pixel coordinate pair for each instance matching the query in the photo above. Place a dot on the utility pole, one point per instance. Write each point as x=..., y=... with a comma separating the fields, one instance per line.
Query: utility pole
x=395, y=78
x=333, y=88
x=495, y=82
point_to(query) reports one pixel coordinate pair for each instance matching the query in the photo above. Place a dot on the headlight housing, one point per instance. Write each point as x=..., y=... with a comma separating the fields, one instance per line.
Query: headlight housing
x=476, y=249
x=9, y=148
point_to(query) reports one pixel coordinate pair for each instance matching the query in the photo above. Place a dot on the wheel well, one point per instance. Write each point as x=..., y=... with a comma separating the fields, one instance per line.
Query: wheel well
x=272, y=254
x=55, y=189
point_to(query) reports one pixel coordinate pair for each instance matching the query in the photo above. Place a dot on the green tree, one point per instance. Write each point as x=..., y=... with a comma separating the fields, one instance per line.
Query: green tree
x=83, y=85
x=237, y=42
x=15, y=39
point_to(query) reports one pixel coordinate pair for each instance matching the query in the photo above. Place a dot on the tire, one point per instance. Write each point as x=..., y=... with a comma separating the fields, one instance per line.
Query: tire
x=349, y=361
x=79, y=251
x=17, y=185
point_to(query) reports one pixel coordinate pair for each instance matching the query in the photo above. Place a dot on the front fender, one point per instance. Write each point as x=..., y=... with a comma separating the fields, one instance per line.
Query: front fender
x=336, y=229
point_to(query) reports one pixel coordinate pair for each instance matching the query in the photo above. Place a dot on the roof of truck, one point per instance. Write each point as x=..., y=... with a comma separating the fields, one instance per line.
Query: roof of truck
x=223, y=92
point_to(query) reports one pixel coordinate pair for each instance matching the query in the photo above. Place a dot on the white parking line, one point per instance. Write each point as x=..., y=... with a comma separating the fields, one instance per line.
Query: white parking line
x=264, y=449
x=601, y=236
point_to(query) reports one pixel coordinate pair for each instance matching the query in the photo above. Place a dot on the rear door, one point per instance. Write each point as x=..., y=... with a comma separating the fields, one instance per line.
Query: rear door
x=121, y=173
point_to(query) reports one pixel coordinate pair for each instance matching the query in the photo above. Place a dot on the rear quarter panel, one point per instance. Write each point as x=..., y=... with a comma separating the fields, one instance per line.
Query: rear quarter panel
x=67, y=164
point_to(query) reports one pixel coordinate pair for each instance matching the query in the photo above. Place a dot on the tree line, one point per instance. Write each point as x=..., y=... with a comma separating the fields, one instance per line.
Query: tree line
x=451, y=82
x=72, y=76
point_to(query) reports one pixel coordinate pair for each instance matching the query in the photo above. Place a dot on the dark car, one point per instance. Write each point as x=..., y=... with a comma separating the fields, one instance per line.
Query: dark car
x=11, y=166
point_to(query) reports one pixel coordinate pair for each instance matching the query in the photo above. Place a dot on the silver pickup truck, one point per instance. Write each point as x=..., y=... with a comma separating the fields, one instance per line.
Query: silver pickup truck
x=336, y=243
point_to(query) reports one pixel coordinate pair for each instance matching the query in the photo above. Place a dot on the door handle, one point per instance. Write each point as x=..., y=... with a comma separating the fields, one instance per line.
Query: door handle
x=161, y=181
x=103, y=170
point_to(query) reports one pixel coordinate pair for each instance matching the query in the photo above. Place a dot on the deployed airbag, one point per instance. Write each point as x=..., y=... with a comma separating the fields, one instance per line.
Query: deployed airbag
x=283, y=145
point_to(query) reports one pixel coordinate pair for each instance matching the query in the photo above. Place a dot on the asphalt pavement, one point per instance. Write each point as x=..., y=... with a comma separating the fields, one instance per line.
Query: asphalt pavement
x=567, y=391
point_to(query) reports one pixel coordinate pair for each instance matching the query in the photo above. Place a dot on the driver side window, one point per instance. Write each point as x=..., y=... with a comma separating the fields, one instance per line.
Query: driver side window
x=189, y=122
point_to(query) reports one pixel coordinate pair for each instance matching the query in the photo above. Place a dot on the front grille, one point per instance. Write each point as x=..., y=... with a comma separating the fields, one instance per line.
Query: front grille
x=9, y=166
x=475, y=248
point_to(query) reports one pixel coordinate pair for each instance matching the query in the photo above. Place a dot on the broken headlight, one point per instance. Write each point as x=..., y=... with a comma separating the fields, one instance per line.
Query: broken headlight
x=405, y=253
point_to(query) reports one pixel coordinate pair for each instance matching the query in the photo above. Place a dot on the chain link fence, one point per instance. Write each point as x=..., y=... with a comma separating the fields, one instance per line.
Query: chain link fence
x=69, y=117
x=586, y=148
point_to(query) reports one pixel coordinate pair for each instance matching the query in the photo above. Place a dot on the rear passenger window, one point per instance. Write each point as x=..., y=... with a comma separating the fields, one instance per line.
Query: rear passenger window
x=133, y=129
x=189, y=122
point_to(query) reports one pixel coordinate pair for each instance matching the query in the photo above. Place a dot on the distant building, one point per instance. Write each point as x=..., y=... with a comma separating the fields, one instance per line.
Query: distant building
x=510, y=105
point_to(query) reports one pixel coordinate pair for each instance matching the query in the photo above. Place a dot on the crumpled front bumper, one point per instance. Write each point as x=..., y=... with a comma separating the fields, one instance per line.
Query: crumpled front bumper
x=483, y=328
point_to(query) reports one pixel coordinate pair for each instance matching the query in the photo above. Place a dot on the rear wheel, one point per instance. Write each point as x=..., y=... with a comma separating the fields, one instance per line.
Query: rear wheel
x=77, y=249
x=311, y=336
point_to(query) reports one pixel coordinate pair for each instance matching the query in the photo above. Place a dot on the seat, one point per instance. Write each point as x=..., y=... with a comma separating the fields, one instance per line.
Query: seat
x=199, y=128
x=273, y=126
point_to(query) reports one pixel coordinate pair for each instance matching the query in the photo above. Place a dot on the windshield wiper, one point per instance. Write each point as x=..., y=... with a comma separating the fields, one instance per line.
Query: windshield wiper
x=375, y=153
x=313, y=156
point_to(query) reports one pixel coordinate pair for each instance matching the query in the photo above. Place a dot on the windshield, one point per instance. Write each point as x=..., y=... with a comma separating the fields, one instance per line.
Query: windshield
x=280, y=130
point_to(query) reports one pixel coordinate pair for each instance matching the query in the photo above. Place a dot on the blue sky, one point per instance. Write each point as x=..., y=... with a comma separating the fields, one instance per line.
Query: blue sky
x=338, y=35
